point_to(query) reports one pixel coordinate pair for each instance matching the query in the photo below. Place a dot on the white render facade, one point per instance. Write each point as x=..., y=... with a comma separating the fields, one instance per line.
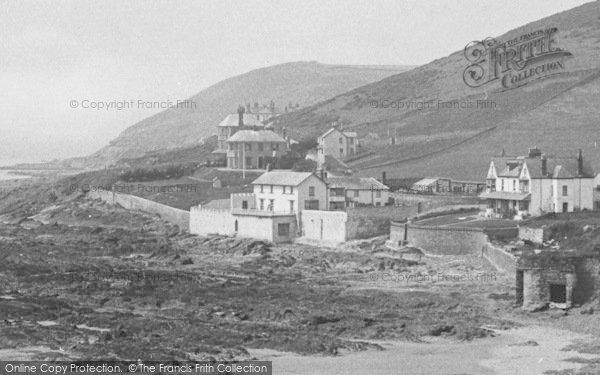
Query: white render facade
x=286, y=191
x=534, y=185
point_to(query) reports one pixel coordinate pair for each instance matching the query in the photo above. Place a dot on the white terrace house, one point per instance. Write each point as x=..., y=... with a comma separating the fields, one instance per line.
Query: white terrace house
x=346, y=192
x=288, y=191
x=534, y=184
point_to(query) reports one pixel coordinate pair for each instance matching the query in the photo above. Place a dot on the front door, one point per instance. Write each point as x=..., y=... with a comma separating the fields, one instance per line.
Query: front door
x=565, y=207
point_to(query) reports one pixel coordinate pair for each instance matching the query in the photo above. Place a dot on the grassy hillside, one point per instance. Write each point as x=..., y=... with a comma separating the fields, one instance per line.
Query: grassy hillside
x=304, y=83
x=558, y=114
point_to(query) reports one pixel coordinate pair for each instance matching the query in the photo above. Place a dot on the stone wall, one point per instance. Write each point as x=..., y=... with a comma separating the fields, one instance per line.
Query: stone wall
x=441, y=240
x=174, y=215
x=535, y=235
x=503, y=261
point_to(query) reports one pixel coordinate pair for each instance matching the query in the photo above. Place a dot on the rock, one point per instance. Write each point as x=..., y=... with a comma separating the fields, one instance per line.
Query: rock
x=587, y=228
x=587, y=311
x=187, y=261
x=526, y=343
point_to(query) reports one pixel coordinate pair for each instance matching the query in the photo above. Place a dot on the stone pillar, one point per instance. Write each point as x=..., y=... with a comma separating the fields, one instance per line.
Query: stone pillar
x=570, y=287
x=532, y=290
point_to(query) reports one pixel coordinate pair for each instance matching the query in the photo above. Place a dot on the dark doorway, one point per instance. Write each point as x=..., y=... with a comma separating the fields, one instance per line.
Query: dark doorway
x=236, y=225
x=261, y=162
x=558, y=293
x=565, y=207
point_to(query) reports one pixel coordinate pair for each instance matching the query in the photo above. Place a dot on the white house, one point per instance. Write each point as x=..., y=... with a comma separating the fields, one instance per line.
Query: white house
x=535, y=184
x=337, y=143
x=288, y=191
x=347, y=192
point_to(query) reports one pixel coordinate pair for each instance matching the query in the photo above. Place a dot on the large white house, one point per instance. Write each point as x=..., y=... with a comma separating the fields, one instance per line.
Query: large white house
x=535, y=184
x=288, y=191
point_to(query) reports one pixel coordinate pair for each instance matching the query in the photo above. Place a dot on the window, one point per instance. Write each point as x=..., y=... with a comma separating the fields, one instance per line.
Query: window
x=261, y=147
x=311, y=191
x=248, y=146
x=291, y=190
x=262, y=204
x=284, y=188
x=341, y=140
x=356, y=193
x=271, y=191
x=514, y=185
x=341, y=151
x=275, y=147
x=283, y=229
x=291, y=206
x=565, y=190
x=249, y=162
x=271, y=204
x=378, y=193
x=502, y=189
x=262, y=188
x=351, y=141
x=311, y=204
x=244, y=205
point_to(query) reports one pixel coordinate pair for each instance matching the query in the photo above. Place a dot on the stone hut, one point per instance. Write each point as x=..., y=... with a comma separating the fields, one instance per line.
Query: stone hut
x=556, y=278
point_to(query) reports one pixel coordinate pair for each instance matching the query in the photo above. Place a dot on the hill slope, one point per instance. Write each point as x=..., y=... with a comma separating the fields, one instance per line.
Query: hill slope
x=304, y=83
x=558, y=114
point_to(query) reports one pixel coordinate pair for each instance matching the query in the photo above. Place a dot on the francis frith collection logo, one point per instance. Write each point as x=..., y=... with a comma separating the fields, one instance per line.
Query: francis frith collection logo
x=515, y=62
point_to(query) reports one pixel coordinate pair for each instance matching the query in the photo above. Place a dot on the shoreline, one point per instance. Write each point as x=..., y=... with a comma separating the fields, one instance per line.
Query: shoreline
x=531, y=350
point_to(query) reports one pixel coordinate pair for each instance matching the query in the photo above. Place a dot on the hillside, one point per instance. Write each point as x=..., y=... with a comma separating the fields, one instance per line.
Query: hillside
x=559, y=114
x=304, y=83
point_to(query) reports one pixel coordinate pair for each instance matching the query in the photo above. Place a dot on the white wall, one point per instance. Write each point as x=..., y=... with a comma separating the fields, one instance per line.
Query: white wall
x=281, y=201
x=369, y=196
x=329, y=226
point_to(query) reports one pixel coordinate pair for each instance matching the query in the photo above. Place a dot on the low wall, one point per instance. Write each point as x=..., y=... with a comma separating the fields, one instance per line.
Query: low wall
x=174, y=215
x=330, y=226
x=502, y=260
x=441, y=240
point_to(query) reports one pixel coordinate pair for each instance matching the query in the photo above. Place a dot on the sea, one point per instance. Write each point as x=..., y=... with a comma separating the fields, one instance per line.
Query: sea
x=5, y=174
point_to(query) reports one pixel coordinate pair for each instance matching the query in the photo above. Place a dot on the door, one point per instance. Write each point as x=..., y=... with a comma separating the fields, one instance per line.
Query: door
x=261, y=164
x=565, y=207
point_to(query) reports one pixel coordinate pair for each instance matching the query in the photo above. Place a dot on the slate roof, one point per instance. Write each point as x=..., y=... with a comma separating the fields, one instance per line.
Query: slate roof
x=282, y=177
x=355, y=183
x=556, y=167
x=256, y=136
x=218, y=204
x=233, y=120
x=426, y=181
x=347, y=134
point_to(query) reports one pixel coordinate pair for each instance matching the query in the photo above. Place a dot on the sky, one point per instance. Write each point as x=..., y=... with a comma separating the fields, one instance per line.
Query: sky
x=57, y=57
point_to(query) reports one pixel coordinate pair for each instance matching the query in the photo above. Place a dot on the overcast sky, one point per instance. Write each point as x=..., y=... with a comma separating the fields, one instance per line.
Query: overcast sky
x=53, y=52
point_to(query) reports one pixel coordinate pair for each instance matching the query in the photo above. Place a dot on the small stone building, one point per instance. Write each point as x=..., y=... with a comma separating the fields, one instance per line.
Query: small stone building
x=556, y=278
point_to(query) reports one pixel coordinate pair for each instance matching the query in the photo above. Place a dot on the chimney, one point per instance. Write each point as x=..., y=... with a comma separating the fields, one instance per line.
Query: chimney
x=383, y=176
x=544, y=165
x=241, y=111
x=284, y=133
x=580, y=162
x=534, y=152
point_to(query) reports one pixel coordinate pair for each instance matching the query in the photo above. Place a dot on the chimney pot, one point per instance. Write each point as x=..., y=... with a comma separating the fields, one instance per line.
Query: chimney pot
x=241, y=111
x=544, y=165
x=580, y=162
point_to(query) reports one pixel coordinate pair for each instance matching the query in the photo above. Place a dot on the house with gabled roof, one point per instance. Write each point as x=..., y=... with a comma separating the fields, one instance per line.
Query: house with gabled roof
x=337, y=143
x=254, y=149
x=347, y=192
x=535, y=184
